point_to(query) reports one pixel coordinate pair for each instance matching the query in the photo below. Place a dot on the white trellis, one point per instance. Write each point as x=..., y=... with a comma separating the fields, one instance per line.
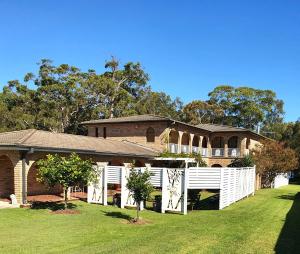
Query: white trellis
x=234, y=184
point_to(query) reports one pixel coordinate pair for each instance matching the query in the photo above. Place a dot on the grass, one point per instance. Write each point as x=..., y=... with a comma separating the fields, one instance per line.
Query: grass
x=269, y=222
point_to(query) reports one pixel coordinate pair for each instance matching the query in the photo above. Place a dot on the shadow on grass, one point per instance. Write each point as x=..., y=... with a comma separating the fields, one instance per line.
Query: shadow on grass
x=288, y=240
x=118, y=215
x=53, y=206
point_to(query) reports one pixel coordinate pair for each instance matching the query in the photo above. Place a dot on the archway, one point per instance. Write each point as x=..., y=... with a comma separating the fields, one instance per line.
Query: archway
x=204, y=150
x=195, y=144
x=7, y=186
x=217, y=145
x=185, y=142
x=173, y=141
x=216, y=166
x=34, y=187
x=233, y=149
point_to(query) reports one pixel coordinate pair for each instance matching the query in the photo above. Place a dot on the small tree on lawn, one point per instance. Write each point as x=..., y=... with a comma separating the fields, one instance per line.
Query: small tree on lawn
x=140, y=187
x=66, y=171
x=273, y=158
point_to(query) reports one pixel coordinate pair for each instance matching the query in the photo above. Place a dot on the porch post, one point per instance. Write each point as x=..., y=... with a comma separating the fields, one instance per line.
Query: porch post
x=225, y=146
x=191, y=143
x=180, y=133
x=209, y=153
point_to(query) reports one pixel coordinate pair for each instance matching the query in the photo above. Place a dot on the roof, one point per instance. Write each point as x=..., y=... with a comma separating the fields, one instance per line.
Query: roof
x=129, y=119
x=152, y=118
x=61, y=142
x=220, y=128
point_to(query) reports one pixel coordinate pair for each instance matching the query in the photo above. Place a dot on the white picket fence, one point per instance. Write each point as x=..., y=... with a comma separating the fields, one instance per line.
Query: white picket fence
x=234, y=184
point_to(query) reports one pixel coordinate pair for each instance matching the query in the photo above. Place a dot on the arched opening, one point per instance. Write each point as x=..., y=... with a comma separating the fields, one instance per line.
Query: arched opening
x=217, y=145
x=185, y=142
x=35, y=188
x=233, y=149
x=195, y=144
x=204, y=150
x=216, y=166
x=173, y=141
x=150, y=135
x=6, y=177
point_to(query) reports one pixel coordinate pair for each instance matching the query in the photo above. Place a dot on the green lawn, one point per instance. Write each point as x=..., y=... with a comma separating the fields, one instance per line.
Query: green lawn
x=266, y=223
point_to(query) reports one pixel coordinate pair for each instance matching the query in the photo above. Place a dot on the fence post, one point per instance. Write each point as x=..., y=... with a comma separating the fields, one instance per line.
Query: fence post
x=254, y=179
x=163, y=190
x=104, y=185
x=221, y=188
x=185, y=185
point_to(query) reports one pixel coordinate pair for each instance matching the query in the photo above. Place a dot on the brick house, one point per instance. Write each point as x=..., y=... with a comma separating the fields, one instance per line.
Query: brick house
x=218, y=144
x=19, y=151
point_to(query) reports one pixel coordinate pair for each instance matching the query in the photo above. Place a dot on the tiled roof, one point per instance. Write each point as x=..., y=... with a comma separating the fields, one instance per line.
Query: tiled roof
x=220, y=128
x=48, y=141
x=127, y=119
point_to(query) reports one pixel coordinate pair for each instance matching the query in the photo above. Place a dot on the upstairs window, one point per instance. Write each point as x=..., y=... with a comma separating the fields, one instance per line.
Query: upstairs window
x=150, y=135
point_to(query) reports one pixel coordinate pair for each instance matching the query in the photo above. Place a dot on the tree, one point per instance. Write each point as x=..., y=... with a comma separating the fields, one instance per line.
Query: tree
x=159, y=103
x=273, y=158
x=198, y=112
x=66, y=171
x=140, y=187
x=246, y=161
x=247, y=107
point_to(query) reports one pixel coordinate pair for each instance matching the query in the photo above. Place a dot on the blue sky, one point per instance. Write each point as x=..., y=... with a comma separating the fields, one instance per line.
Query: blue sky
x=187, y=47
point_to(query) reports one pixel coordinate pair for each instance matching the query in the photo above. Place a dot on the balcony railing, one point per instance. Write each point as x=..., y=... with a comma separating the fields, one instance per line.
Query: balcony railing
x=173, y=148
x=217, y=152
x=195, y=149
x=185, y=148
x=233, y=152
x=204, y=152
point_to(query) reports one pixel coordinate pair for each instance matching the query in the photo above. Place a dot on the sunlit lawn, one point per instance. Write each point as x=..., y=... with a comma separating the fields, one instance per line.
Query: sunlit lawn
x=249, y=226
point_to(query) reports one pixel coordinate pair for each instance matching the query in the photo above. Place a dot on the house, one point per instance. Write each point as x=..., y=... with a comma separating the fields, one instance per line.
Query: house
x=115, y=142
x=218, y=144
x=19, y=151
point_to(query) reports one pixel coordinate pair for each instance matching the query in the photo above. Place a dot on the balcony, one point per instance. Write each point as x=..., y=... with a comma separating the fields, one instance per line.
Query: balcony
x=185, y=149
x=195, y=149
x=217, y=152
x=204, y=152
x=173, y=148
x=233, y=152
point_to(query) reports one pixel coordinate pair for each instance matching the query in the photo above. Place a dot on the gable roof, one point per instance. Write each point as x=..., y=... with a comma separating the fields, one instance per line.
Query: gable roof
x=221, y=128
x=129, y=119
x=61, y=142
x=151, y=118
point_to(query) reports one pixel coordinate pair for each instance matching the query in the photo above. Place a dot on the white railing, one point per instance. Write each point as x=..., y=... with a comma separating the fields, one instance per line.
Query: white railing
x=217, y=152
x=233, y=152
x=195, y=149
x=185, y=149
x=204, y=152
x=173, y=148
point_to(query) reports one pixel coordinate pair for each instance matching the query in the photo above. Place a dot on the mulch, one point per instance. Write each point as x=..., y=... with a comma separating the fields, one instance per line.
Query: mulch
x=67, y=211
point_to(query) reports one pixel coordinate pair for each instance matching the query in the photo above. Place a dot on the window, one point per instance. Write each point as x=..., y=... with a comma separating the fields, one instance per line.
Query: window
x=104, y=132
x=150, y=135
x=96, y=132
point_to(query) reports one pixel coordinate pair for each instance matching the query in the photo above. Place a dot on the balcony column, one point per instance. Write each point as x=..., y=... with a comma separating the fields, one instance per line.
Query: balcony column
x=180, y=133
x=200, y=144
x=209, y=153
x=225, y=146
x=191, y=143
x=242, y=145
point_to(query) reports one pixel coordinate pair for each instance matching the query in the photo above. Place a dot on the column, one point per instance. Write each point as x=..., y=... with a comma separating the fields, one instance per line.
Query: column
x=225, y=146
x=180, y=133
x=191, y=143
x=208, y=147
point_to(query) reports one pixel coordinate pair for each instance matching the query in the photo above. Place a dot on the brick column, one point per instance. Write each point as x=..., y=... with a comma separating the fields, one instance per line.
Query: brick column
x=180, y=133
x=209, y=153
x=191, y=143
x=225, y=146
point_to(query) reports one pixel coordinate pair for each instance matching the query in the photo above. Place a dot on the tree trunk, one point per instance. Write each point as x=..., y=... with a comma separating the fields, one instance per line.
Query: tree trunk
x=66, y=197
x=137, y=211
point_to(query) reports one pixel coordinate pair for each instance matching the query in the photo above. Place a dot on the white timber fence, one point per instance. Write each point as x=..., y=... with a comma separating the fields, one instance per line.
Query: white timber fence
x=234, y=184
